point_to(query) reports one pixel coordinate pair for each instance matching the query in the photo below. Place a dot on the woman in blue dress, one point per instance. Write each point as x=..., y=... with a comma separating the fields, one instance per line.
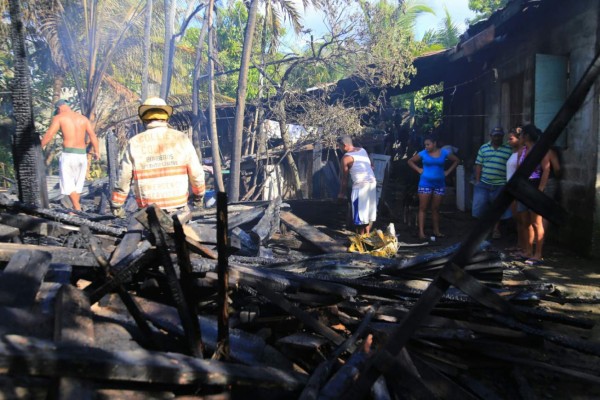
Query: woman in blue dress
x=432, y=183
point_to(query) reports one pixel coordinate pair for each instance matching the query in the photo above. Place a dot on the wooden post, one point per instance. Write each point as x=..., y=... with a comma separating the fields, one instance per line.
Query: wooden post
x=222, y=351
x=317, y=166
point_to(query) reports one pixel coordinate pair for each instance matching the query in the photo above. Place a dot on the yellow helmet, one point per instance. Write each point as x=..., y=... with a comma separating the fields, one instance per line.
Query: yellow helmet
x=154, y=108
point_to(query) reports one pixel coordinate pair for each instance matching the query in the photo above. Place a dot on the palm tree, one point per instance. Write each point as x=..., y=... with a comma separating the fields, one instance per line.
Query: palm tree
x=102, y=35
x=236, y=152
x=446, y=36
x=27, y=152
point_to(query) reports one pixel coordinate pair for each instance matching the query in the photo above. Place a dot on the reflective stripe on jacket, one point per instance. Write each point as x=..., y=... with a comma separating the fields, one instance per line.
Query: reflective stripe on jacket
x=161, y=163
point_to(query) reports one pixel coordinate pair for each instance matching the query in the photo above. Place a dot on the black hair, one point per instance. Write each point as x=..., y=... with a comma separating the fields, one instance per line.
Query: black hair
x=433, y=138
x=532, y=132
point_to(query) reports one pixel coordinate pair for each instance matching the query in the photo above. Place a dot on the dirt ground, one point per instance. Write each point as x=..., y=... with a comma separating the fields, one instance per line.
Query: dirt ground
x=576, y=279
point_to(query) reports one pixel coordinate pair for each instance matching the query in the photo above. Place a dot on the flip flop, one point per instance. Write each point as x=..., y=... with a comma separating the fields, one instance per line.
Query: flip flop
x=439, y=235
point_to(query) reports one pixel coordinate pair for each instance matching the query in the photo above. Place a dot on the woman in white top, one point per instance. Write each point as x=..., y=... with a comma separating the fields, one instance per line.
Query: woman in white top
x=514, y=142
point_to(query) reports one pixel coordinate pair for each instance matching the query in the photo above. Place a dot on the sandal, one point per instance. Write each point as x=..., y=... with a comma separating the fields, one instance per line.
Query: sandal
x=439, y=235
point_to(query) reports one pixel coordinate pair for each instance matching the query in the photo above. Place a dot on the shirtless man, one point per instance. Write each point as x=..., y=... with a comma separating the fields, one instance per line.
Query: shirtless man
x=73, y=161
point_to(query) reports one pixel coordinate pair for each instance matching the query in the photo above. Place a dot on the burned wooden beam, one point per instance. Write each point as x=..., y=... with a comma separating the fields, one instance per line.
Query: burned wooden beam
x=61, y=217
x=126, y=298
x=73, y=326
x=190, y=324
x=268, y=224
x=40, y=358
x=60, y=255
x=245, y=347
x=186, y=277
x=22, y=277
x=123, y=271
x=297, y=312
x=313, y=235
x=222, y=351
x=322, y=372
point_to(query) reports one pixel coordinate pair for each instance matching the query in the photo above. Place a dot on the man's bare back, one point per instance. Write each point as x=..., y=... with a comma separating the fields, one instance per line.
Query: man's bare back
x=73, y=127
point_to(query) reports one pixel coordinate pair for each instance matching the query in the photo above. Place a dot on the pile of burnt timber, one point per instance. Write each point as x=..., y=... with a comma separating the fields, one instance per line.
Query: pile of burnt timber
x=227, y=304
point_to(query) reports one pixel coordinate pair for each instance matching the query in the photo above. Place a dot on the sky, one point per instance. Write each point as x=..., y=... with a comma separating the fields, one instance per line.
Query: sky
x=458, y=9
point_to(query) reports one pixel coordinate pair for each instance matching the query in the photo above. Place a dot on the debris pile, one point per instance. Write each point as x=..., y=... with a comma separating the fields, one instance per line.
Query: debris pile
x=254, y=302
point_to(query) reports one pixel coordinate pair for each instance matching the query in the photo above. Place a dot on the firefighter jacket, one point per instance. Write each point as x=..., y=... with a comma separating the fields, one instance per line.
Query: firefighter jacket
x=159, y=162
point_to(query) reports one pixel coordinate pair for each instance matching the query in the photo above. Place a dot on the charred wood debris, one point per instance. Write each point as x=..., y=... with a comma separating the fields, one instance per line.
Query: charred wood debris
x=250, y=301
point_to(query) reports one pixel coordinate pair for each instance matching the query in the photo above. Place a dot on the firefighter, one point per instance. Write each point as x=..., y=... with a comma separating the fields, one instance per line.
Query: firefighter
x=161, y=163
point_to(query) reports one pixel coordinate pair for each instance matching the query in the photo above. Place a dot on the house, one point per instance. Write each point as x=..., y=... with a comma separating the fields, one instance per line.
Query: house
x=518, y=67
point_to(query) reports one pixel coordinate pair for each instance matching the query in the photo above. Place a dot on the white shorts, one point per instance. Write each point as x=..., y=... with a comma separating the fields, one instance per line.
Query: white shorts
x=72, y=168
x=364, y=203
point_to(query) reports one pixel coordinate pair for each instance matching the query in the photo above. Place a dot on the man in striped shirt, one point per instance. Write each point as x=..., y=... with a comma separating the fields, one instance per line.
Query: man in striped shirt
x=160, y=162
x=490, y=175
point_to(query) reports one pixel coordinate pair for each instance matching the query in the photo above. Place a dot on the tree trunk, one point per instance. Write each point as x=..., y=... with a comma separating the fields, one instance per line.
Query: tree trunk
x=260, y=135
x=169, y=24
x=146, y=55
x=199, y=118
x=236, y=153
x=212, y=115
x=27, y=151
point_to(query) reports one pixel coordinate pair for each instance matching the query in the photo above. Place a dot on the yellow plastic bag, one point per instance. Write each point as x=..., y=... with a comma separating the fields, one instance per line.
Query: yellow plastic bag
x=376, y=243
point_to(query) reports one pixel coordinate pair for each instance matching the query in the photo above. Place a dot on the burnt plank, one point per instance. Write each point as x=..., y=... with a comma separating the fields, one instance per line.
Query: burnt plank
x=61, y=217
x=186, y=279
x=245, y=347
x=22, y=277
x=61, y=255
x=35, y=357
x=223, y=349
x=73, y=325
x=522, y=190
x=268, y=224
x=129, y=242
x=190, y=325
x=281, y=302
x=23, y=321
x=324, y=242
x=8, y=233
x=124, y=270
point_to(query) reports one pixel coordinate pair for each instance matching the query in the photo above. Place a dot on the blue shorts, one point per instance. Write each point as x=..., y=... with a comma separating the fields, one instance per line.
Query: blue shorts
x=429, y=190
x=483, y=196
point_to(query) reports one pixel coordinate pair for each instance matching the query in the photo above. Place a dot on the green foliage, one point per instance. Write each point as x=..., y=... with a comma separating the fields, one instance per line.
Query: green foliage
x=6, y=162
x=447, y=35
x=485, y=8
x=428, y=111
x=387, y=46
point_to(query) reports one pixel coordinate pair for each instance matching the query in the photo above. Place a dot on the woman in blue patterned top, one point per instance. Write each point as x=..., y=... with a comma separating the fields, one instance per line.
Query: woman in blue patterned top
x=432, y=184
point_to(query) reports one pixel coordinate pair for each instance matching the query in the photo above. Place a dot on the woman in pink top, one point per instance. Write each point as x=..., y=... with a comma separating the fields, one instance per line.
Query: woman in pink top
x=512, y=164
x=533, y=226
